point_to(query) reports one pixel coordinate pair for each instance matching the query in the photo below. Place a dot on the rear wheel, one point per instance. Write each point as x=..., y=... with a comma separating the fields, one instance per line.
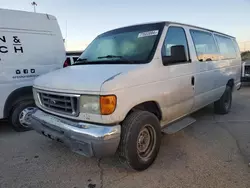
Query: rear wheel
x=20, y=115
x=223, y=105
x=140, y=140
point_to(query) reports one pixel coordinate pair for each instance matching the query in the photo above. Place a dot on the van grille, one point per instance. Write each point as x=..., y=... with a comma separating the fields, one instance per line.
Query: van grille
x=59, y=103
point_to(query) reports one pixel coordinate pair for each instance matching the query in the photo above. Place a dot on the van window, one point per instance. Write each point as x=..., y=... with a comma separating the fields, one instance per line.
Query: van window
x=175, y=36
x=129, y=45
x=205, y=46
x=236, y=46
x=75, y=58
x=226, y=47
x=133, y=44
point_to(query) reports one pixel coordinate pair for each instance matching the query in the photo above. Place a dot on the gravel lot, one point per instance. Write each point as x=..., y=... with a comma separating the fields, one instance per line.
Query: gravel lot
x=213, y=152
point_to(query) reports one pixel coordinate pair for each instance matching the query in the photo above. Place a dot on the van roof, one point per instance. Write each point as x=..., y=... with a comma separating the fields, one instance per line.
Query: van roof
x=28, y=21
x=170, y=22
x=11, y=11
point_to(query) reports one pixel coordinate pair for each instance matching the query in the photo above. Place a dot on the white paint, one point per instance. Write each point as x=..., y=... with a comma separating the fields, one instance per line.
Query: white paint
x=148, y=33
x=42, y=44
x=169, y=86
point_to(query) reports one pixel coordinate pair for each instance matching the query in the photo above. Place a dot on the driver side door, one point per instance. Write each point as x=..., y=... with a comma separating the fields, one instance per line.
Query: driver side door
x=179, y=100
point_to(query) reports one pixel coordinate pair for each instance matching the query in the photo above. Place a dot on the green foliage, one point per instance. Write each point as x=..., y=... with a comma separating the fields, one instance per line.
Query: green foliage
x=245, y=55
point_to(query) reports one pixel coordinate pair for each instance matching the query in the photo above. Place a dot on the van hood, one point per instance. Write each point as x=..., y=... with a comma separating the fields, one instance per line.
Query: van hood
x=81, y=78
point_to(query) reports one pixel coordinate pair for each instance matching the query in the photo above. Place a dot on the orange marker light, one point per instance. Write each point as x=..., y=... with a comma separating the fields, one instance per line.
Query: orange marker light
x=107, y=104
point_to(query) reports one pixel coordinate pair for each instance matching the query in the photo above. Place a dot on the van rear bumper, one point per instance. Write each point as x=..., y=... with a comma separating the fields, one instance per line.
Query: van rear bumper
x=83, y=138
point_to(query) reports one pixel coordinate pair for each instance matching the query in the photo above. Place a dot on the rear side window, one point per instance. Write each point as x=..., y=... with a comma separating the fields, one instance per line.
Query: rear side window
x=236, y=46
x=205, y=46
x=226, y=47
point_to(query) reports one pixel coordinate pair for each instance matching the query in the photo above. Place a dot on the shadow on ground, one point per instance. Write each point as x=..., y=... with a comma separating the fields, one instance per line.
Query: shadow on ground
x=4, y=128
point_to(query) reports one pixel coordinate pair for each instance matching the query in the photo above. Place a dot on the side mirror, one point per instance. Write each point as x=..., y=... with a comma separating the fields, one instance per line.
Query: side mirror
x=178, y=54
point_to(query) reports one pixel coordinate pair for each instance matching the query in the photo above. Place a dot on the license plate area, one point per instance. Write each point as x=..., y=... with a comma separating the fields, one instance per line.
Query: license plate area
x=51, y=122
x=52, y=137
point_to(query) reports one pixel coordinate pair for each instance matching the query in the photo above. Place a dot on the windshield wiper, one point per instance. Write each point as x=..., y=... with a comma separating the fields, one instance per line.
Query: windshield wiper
x=116, y=56
x=81, y=61
x=110, y=56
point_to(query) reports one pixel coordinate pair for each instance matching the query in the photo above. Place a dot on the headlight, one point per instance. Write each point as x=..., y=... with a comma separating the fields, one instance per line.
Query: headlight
x=90, y=104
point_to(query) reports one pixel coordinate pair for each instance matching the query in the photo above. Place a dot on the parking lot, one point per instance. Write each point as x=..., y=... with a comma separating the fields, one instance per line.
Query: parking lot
x=213, y=152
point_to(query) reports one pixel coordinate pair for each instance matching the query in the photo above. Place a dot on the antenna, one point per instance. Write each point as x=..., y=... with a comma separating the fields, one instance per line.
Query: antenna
x=66, y=34
x=34, y=5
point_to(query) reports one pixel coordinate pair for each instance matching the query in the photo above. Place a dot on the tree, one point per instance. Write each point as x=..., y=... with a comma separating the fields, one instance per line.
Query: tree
x=245, y=55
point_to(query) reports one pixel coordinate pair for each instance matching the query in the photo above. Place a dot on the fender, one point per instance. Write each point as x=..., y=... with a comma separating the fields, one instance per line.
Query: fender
x=15, y=96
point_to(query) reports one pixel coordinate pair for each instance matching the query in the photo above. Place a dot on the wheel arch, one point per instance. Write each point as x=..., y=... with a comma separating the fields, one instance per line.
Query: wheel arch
x=15, y=96
x=150, y=106
x=231, y=83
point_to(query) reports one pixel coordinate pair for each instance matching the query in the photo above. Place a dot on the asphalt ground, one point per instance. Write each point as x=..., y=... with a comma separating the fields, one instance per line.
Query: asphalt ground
x=212, y=152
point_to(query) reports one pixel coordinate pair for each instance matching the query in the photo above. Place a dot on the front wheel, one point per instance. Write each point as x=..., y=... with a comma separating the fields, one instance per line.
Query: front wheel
x=19, y=117
x=223, y=105
x=140, y=140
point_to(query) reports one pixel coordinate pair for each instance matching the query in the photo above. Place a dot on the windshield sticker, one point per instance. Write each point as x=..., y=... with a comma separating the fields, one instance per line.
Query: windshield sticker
x=148, y=33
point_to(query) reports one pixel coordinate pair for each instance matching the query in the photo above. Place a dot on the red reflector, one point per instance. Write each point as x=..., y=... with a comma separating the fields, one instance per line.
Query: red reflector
x=66, y=63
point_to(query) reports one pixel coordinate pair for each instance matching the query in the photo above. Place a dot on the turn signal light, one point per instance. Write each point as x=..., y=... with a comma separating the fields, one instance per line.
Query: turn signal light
x=107, y=104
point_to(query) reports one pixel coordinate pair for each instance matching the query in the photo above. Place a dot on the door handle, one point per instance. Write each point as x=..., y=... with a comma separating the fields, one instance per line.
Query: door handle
x=192, y=80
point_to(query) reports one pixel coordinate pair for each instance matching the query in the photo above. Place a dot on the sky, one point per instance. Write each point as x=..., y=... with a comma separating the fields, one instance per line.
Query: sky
x=82, y=20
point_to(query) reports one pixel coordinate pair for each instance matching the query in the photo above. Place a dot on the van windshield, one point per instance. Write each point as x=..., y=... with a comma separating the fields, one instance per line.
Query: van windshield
x=134, y=44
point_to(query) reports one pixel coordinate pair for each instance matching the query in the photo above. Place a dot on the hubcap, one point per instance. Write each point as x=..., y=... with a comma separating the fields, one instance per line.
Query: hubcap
x=146, y=141
x=24, y=116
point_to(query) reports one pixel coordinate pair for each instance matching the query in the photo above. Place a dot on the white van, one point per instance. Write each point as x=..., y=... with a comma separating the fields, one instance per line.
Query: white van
x=132, y=83
x=31, y=44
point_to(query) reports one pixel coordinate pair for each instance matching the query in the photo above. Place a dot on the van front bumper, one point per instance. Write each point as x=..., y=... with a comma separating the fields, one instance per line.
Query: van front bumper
x=83, y=138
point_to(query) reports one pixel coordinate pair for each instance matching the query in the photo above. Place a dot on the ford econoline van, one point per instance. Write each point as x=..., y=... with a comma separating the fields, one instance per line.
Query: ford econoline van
x=132, y=83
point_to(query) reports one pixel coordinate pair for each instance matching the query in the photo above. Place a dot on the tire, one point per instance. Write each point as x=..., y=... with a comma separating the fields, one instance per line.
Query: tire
x=223, y=105
x=134, y=125
x=15, y=114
